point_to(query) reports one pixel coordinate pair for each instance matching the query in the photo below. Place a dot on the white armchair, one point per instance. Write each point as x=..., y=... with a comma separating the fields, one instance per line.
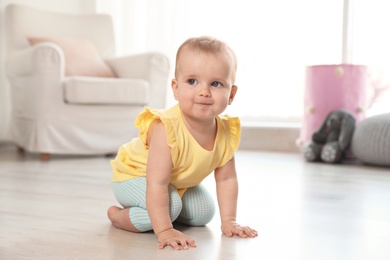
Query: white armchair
x=57, y=112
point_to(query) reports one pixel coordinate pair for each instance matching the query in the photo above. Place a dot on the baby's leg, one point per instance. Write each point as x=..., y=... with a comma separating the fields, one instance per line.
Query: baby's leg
x=198, y=207
x=131, y=195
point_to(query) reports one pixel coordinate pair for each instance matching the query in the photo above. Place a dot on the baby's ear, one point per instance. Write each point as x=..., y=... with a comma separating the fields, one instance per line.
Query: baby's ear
x=233, y=92
x=174, y=86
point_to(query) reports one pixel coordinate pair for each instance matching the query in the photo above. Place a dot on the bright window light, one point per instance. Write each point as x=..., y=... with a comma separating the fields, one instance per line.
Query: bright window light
x=274, y=42
x=370, y=46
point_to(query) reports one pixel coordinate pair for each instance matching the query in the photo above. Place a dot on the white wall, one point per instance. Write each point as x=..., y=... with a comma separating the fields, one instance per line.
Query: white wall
x=71, y=6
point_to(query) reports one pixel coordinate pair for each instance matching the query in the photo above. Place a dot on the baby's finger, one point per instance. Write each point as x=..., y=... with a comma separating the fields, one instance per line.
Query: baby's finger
x=184, y=244
x=175, y=245
x=240, y=232
x=190, y=242
x=250, y=232
x=162, y=245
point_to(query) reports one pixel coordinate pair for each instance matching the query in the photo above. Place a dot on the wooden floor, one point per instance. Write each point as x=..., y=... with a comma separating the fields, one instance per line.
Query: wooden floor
x=57, y=210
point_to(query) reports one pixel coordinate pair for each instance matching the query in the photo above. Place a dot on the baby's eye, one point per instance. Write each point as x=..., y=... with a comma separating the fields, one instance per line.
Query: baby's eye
x=216, y=84
x=192, y=81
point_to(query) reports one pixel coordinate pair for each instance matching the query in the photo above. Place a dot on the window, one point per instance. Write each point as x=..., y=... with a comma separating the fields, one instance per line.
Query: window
x=371, y=46
x=274, y=42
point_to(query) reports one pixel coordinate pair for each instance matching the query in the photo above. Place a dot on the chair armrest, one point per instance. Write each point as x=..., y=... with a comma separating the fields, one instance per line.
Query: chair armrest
x=36, y=59
x=35, y=75
x=152, y=67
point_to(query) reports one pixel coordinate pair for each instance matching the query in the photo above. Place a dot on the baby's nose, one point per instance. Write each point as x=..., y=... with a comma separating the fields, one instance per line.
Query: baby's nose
x=204, y=91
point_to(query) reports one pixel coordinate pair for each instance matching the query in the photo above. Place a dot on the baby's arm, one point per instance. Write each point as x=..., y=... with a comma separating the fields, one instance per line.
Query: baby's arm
x=227, y=193
x=158, y=171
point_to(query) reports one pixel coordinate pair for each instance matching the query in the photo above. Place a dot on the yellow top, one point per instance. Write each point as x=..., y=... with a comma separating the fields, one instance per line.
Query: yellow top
x=191, y=163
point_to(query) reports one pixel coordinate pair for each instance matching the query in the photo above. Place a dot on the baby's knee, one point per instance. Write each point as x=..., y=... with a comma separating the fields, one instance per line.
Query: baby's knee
x=175, y=203
x=204, y=216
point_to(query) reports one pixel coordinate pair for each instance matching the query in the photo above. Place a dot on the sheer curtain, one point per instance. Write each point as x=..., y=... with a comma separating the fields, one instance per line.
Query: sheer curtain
x=371, y=46
x=274, y=42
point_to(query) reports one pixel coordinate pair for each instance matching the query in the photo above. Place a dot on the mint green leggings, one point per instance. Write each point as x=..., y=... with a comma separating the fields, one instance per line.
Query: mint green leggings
x=195, y=208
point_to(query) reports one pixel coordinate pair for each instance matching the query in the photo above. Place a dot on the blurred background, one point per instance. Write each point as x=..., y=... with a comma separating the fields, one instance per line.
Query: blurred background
x=274, y=42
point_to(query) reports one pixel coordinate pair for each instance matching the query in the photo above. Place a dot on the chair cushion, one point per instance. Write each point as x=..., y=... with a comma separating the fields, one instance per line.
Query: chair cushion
x=81, y=57
x=108, y=91
x=371, y=140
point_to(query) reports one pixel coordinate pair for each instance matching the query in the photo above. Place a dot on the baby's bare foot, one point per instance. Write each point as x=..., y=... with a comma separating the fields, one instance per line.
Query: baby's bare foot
x=120, y=218
x=112, y=212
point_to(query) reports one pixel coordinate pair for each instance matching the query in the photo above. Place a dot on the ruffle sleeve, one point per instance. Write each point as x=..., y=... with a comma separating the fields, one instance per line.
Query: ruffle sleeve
x=144, y=120
x=167, y=117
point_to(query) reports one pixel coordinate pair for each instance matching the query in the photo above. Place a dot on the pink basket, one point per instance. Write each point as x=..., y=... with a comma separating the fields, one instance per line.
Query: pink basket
x=333, y=87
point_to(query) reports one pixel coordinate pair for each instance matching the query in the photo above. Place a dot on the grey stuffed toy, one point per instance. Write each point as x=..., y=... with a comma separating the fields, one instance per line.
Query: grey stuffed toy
x=332, y=140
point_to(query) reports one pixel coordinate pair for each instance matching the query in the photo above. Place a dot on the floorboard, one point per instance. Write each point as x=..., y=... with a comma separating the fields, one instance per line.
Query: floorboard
x=57, y=210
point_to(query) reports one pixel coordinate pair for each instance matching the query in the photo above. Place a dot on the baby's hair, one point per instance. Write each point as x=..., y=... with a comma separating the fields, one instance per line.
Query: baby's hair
x=207, y=44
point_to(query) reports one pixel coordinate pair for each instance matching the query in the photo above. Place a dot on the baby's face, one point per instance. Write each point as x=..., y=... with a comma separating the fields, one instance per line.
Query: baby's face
x=204, y=83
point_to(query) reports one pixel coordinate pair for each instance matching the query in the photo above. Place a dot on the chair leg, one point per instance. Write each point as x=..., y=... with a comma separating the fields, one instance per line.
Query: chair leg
x=44, y=156
x=19, y=150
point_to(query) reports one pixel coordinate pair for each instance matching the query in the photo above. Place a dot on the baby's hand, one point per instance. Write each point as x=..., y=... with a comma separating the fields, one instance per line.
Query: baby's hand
x=174, y=238
x=231, y=228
